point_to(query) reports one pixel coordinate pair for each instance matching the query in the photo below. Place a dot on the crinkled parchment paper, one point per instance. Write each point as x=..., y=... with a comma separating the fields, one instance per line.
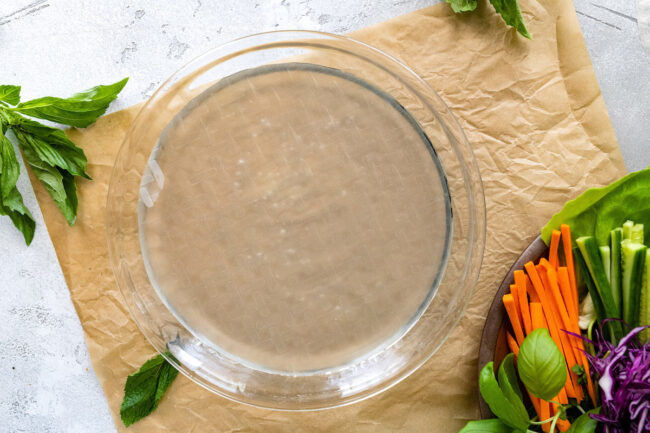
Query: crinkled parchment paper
x=532, y=111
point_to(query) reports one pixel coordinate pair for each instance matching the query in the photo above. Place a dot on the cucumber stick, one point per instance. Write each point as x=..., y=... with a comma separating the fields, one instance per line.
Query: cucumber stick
x=605, y=257
x=644, y=315
x=616, y=236
x=633, y=256
x=581, y=267
x=590, y=253
x=627, y=229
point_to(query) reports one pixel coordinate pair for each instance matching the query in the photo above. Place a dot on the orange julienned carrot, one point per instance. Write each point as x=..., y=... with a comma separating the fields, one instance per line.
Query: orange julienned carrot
x=531, y=290
x=515, y=296
x=512, y=344
x=567, y=292
x=524, y=308
x=556, y=296
x=544, y=414
x=537, y=315
x=511, y=309
x=549, y=312
x=552, y=253
x=564, y=346
x=568, y=253
x=571, y=298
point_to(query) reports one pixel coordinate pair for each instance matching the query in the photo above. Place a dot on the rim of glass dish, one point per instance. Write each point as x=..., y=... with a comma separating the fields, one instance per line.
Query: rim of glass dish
x=476, y=236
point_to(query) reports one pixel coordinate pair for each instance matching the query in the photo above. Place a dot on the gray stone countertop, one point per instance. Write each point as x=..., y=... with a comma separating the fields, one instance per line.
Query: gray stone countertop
x=57, y=47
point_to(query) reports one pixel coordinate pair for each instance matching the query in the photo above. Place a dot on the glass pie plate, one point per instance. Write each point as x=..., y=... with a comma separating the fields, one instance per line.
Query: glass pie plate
x=296, y=220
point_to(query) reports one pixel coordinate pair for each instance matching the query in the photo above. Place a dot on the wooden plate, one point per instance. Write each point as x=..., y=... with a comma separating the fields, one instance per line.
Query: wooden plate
x=493, y=341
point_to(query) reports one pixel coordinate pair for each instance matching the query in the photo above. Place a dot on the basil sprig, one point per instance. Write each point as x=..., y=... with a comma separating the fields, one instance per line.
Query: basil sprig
x=508, y=9
x=542, y=370
x=53, y=158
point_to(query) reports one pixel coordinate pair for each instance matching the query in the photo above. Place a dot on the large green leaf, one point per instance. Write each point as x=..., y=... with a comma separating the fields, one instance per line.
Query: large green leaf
x=511, y=14
x=598, y=210
x=80, y=110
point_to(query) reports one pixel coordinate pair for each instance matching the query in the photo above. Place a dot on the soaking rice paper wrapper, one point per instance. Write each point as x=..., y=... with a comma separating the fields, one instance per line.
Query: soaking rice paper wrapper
x=534, y=115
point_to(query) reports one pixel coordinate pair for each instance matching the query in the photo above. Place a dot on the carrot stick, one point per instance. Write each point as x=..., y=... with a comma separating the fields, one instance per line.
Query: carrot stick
x=556, y=295
x=515, y=296
x=512, y=344
x=568, y=254
x=552, y=254
x=564, y=346
x=561, y=424
x=568, y=293
x=562, y=396
x=511, y=309
x=563, y=279
x=549, y=312
x=537, y=316
x=531, y=290
x=524, y=308
x=544, y=414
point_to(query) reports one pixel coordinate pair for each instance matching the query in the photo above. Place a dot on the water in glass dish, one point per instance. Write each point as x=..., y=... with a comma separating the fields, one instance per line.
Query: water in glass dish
x=294, y=218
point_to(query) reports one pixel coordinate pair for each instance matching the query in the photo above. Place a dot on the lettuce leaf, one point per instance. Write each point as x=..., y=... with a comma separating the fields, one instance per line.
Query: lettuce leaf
x=598, y=210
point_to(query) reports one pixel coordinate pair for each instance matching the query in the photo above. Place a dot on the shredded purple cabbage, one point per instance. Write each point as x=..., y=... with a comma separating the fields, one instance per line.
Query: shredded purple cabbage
x=623, y=373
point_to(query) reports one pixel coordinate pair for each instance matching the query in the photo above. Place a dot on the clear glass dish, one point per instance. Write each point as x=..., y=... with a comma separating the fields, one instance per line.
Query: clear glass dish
x=298, y=219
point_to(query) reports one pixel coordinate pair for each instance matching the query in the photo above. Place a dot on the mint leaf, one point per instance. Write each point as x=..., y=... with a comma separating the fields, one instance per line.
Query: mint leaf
x=145, y=388
x=462, y=5
x=79, y=110
x=10, y=94
x=511, y=14
x=11, y=202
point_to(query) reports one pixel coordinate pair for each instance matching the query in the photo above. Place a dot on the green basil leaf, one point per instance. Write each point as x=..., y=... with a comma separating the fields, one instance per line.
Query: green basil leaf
x=541, y=365
x=508, y=383
x=486, y=426
x=499, y=404
x=11, y=201
x=462, y=5
x=145, y=388
x=584, y=423
x=10, y=94
x=51, y=145
x=79, y=110
x=511, y=14
x=58, y=183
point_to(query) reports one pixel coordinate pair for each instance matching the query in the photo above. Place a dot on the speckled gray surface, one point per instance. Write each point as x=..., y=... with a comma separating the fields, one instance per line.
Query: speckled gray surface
x=61, y=46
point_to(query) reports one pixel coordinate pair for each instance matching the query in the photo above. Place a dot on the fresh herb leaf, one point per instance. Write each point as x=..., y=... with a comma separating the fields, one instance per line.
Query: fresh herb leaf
x=52, y=156
x=598, y=210
x=79, y=110
x=508, y=383
x=52, y=146
x=511, y=14
x=462, y=5
x=10, y=94
x=584, y=423
x=145, y=388
x=499, y=404
x=11, y=202
x=541, y=365
x=493, y=425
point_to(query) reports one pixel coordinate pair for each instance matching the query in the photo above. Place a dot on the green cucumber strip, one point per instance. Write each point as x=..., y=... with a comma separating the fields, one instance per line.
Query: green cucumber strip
x=636, y=233
x=589, y=250
x=627, y=229
x=644, y=315
x=633, y=261
x=616, y=236
x=581, y=266
x=606, y=259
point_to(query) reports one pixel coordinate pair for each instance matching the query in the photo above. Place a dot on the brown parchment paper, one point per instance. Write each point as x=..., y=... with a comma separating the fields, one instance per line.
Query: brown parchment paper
x=532, y=111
